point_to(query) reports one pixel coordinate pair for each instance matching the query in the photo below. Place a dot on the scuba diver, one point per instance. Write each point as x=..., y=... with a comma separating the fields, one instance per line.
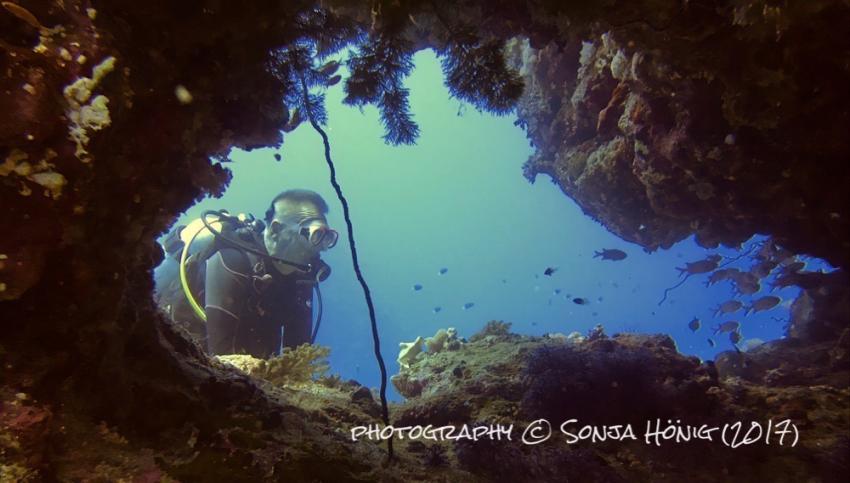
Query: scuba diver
x=253, y=278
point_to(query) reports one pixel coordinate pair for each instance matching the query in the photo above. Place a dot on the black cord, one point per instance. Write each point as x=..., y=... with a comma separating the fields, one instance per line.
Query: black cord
x=375, y=337
x=319, y=315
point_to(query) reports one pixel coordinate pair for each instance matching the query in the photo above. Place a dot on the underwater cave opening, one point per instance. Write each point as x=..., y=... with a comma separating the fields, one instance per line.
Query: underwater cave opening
x=450, y=234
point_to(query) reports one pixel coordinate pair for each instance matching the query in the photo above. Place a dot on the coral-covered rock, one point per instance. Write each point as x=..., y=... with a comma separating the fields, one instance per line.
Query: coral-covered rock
x=720, y=122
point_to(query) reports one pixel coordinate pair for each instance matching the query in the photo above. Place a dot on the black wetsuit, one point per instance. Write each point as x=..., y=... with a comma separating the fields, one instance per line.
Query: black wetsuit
x=247, y=301
x=247, y=304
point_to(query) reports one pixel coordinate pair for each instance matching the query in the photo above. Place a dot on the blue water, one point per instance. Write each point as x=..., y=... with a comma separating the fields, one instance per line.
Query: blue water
x=458, y=200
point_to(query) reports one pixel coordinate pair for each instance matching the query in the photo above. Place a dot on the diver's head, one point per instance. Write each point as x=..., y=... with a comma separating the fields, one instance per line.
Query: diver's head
x=296, y=228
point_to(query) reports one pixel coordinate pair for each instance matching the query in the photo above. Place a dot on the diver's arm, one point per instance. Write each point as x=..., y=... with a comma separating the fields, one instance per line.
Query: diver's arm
x=227, y=284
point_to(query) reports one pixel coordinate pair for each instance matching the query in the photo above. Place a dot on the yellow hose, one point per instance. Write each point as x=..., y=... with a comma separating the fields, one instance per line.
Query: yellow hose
x=184, y=281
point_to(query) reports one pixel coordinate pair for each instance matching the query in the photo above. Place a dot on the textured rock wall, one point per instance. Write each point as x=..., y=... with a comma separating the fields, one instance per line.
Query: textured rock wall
x=717, y=119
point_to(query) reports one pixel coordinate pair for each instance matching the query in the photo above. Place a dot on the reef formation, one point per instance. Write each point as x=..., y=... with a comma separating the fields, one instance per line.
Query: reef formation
x=661, y=118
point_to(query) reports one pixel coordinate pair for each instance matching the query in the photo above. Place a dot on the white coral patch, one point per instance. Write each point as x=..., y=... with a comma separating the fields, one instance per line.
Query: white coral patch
x=87, y=116
x=620, y=66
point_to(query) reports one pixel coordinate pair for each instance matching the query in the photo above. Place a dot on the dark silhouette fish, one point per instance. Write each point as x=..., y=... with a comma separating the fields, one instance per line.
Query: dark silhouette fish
x=720, y=275
x=765, y=303
x=792, y=268
x=710, y=342
x=734, y=337
x=580, y=301
x=763, y=269
x=694, y=324
x=728, y=307
x=468, y=305
x=702, y=266
x=437, y=309
x=549, y=271
x=417, y=287
x=443, y=271
x=804, y=280
x=730, y=326
x=709, y=264
x=746, y=283
x=610, y=254
x=557, y=291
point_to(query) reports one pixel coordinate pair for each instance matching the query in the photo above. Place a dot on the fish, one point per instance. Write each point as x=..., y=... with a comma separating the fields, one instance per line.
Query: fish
x=763, y=269
x=443, y=271
x=730, y=326
x=792, y=268
x=468, y=305
x=710, y=343
x=580, y=301
x=437, y=309
x=765, y=303
x=734, y=337
x=702, y=266
x=599, y=299
x=746, y=283
x=728, y=307
x=720, y=275
x=556, y=291
x=804, y=280
x=549, y=271
x=610, y=254
x=276, y=157
x=417, y=287
x=694, y=324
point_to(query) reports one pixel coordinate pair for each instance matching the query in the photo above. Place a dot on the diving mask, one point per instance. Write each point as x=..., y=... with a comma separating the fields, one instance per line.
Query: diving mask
x=318, y=234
